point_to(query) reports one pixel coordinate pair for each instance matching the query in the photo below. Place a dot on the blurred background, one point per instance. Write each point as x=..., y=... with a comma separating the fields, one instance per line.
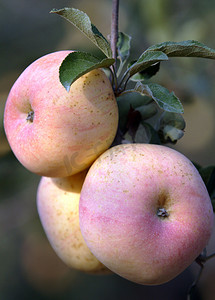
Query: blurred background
x=29, y=268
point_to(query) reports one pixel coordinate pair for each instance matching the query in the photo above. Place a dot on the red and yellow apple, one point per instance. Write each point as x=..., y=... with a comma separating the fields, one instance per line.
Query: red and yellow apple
x=145, y=212
x=53, y=132
x=58, y=207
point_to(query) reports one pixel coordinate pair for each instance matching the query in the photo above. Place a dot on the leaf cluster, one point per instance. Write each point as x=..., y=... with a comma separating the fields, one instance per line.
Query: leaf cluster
x=156, y=114
x=146, y=66
x=142, y=121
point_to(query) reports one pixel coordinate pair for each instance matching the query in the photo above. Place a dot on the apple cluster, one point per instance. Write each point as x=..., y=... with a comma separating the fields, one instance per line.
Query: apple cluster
x=141, y=211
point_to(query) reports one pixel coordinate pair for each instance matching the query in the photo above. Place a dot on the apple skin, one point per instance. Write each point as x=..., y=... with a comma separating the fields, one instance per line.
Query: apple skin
x=68, y=131
x=58, y=208
x=118, y=212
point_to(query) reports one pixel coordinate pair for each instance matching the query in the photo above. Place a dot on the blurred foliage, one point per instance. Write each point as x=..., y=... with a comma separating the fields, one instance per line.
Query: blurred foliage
x=29, y=267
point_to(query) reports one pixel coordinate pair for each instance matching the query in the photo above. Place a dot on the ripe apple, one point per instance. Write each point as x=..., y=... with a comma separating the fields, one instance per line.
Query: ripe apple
x=55, y=133
x=58, y=206
x=145, y=212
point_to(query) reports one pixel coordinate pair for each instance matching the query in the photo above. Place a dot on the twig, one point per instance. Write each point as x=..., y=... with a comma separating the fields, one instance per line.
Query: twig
x=210, y=256
x=200, y=260
x=195, y=282
x=114, y=33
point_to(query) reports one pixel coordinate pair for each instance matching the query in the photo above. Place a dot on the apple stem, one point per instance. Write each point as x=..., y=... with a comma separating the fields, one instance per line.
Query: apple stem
x=161, y=212
x=114, y=36
x=30, y=117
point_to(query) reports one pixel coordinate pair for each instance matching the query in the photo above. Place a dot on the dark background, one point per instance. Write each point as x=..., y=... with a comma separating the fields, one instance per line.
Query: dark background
x=29, y=268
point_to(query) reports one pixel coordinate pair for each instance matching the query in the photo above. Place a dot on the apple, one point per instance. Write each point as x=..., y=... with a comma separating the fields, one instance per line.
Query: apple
x=52, y=132
x=145, y=212
x=58, y=208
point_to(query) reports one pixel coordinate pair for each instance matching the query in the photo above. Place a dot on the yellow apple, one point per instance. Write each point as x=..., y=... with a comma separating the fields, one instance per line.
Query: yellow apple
x=58, y=207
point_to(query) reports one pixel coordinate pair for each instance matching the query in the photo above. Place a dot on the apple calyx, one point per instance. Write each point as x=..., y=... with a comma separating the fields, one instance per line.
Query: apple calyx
x=30, y=117
x=161, y=212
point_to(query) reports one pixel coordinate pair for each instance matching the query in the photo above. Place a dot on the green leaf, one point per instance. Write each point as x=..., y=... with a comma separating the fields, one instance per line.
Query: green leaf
x=124, y=104
x=155, y=139
x=146, y=134
x=77, y=64
x=147, y=111
x=81, y=21
x=143, y=134
x=147, y=73
x=208, y=176
x=188, y=48
x=123, y=46
x=165, y=100
x=146, y=60
x=172, y=119
x=171, y=127
x=171, y=134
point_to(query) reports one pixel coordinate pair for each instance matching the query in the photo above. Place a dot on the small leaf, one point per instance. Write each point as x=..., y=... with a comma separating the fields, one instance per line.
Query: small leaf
x=77, y=64
x=123, y=46
x=155, y=139
x=143, y=134
x=171, y=134
x=133, y=121
x=81, y=21
x=188, y=48
x=146, y=134
x=172, y=119
x=165, y=100
x=171, y=127
x=208, y=176
x=147, y=111
x=127, y=138
x=146, y=60
x=125, y=102
x=147, y=73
